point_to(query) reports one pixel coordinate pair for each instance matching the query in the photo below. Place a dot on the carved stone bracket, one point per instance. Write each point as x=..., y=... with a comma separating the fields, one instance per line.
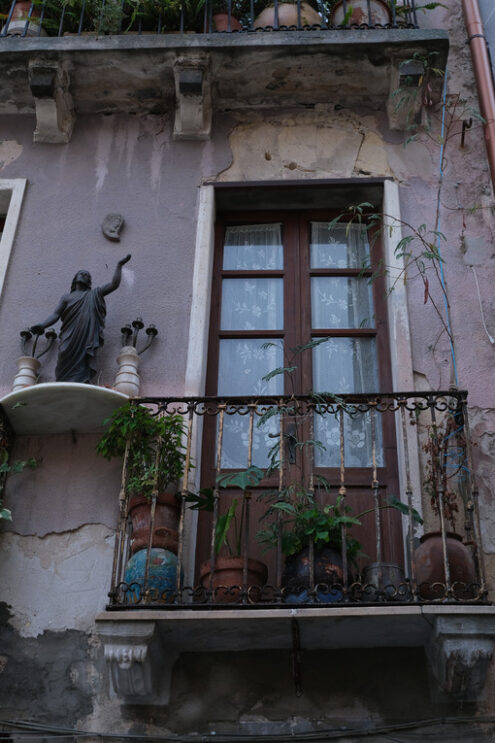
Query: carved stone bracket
x=413, y=87
x=49, y=82
x=140, y=668
x=459, y=652
x=193, y=107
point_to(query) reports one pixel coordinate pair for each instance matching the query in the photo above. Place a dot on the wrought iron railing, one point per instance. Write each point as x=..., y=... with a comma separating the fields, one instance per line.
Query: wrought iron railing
x=103, y=17
x=301, y=475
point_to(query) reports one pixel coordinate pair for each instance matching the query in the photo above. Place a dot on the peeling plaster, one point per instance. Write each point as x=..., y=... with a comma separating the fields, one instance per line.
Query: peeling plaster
x=482, y=423
x=300, y=151
x=10, y=150
x=56, y=582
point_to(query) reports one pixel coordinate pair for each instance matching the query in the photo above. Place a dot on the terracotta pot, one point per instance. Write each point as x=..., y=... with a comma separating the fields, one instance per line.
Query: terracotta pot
x=221, y=22
x=287, y=16
x=380, y=13
x=429, y=565
x=227, y=579
x=20, y=15
x=166, y=525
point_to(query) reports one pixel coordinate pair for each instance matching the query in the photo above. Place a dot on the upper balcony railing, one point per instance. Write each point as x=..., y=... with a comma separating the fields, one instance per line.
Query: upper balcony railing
x=300, y=501
x=108, y=17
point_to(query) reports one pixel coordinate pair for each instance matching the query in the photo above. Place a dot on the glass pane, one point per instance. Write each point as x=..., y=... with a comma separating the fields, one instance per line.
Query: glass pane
x=235, y=441
x=357, y=440
x=252, y=304
x=339, y=246
x=243, y=362
x=253, y=247
x=345, y=365
x=341, y=302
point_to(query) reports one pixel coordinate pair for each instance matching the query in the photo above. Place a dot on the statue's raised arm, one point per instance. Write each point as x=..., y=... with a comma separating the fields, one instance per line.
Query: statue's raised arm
x=82, y=312
x=117, y=277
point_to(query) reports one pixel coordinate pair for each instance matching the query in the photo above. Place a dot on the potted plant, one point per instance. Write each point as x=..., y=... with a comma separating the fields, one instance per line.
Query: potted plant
x=288, y=16
x=429, y=559
x=355, y=12
x=155, y=464
x=227, y=579
x=303, y=520
x=22, y=13
x=226, y=16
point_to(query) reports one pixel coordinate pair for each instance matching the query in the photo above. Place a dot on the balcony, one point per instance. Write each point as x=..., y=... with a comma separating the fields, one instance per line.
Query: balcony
x=274, y=472
x=69, y=63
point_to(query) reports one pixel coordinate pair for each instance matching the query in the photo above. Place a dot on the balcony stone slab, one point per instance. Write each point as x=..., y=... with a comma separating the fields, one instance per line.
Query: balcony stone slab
x=458, y=639
x=60, y=407
x=137, y=73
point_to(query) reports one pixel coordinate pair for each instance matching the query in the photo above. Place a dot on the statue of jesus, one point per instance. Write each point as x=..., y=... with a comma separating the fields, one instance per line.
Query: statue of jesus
x=82, y=311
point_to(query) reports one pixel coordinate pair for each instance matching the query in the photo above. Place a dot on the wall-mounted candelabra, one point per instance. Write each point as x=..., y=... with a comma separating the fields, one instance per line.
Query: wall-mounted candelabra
x=127, y=379
x=29, y=363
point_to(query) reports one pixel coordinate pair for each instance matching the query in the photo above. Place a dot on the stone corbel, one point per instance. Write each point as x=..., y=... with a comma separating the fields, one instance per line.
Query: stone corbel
x=459, y=652
x=193, y=107
x=140, y=669
x=49, y=82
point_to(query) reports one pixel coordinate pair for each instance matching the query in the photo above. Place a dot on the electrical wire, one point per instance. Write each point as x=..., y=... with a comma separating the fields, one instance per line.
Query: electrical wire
x=492, y=341
x=31, y=729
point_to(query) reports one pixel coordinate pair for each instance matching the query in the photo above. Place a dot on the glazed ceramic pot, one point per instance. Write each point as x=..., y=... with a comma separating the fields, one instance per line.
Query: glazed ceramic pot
x=380, y=13
x=287, y=16
x=430, y=568
x=328, y=576
x=227, y=579
x=166, y=524
x=162, y=577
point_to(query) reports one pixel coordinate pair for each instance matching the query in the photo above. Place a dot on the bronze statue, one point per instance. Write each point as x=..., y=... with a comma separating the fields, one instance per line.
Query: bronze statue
x=82, y=312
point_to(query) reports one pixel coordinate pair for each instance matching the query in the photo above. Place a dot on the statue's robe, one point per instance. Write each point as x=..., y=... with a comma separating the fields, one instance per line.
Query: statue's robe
x=81, y=334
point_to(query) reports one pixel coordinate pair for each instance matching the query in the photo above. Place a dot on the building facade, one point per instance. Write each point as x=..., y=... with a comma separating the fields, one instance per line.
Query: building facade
x=323, y=186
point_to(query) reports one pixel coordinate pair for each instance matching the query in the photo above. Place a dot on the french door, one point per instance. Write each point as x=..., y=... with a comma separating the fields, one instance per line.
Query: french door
x=295, y=291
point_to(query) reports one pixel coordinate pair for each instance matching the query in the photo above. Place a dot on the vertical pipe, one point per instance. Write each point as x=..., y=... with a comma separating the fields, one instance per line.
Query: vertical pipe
x=342, y=492
x=311, y=489
x=482, y=72
x=154, y=498
x=216, y=498
x=376, y=497
x=280, y=489
x=246, y=506
x=437, y=469
x=183, y=496
x=407, y=467
x=119, y=542
x=475, y=504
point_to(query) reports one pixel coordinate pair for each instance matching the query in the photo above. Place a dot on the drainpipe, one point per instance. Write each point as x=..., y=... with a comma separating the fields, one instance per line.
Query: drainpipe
x=483, y=74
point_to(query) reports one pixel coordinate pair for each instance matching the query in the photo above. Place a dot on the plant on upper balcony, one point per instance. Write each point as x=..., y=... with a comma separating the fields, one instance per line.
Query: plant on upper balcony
x=291, y=14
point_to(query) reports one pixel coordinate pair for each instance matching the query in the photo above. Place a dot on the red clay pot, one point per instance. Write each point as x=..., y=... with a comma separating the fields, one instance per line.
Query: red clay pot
x=227, y=579
x=166, y=525
x=221, y=22
x=430, y=569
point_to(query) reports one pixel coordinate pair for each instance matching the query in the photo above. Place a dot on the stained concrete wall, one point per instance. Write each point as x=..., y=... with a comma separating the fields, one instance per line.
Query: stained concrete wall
x=56, y=556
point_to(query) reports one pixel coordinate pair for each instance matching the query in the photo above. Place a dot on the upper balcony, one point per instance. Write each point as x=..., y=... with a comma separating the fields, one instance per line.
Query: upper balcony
x=144, y=57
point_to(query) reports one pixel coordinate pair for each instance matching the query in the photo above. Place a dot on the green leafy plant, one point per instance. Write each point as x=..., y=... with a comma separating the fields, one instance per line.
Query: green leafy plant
x=229, y=526
x=155, y=455
x=7, y=469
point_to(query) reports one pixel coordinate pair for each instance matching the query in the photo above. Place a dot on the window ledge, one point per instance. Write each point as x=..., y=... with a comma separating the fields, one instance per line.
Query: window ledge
x=141, y=646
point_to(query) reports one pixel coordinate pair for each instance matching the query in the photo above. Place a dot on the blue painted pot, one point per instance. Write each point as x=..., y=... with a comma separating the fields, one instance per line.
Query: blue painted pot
x=162, y=580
